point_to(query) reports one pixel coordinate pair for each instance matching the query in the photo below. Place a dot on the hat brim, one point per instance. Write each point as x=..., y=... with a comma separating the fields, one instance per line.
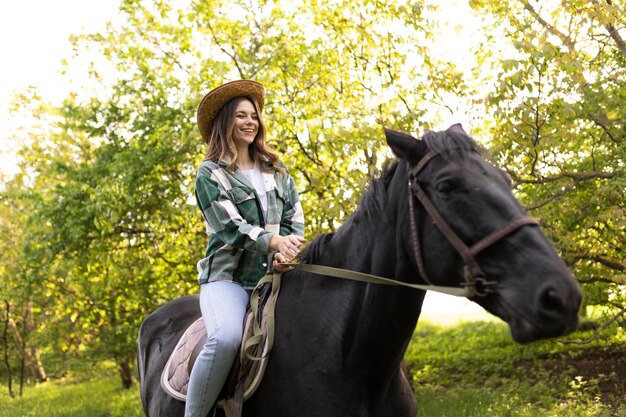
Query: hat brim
x=215, y=99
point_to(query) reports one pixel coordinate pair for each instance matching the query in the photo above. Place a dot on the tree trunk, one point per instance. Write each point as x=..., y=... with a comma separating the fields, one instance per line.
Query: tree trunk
x=5, y=344
x=22, y=359
x=33, y=360
x=125, y=369
x=31, y=355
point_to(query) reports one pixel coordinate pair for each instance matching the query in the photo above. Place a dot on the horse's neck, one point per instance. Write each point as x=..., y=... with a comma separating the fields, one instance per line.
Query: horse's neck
x=386, y=315
x=371, y=324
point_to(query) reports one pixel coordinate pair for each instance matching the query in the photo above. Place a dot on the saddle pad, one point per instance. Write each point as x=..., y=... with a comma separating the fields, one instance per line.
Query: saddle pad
x=175, y=376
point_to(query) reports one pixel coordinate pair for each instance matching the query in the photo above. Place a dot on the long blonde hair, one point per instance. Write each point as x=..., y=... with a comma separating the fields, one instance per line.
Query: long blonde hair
x=221, y=144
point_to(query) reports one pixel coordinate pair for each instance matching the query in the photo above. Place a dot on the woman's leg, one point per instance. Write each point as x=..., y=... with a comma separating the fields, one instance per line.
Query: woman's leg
x=223, y=306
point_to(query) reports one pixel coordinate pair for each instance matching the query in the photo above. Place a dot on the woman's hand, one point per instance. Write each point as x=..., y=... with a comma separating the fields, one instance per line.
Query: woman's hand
x=286, y=247
x=278, y=264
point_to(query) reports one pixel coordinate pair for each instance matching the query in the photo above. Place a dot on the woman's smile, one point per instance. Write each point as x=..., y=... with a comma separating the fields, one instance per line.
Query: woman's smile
x=246, y=124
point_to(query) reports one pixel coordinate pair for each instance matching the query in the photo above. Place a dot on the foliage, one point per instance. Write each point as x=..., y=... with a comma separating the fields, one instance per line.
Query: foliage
x=104, y=202
x=100, y=226
x=559, y=129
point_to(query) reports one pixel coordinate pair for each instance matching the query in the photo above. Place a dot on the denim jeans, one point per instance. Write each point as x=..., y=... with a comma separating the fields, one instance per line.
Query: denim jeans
x=223, y=305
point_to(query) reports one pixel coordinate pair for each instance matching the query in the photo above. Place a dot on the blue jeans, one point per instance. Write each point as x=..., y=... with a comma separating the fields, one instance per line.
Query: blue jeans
x=223, y=305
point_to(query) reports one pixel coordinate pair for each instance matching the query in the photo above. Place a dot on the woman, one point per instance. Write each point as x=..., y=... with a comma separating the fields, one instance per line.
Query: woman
x=251, y=208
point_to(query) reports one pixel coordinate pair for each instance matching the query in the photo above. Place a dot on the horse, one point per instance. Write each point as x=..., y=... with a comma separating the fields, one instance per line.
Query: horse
x=439, y=214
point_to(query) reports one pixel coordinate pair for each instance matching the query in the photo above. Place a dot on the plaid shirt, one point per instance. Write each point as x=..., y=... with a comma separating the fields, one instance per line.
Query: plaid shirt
x=239, y=232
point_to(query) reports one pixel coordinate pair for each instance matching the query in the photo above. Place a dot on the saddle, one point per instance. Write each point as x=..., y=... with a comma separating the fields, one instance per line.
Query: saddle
x=247, y=372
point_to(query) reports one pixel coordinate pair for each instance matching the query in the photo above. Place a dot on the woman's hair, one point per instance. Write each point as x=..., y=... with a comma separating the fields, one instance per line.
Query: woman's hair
x=221, y=144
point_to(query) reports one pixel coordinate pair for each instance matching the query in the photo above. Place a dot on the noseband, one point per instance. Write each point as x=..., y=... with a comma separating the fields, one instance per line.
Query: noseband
x=474, y=277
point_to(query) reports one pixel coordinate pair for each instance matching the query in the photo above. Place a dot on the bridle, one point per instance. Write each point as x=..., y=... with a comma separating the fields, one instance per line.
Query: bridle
x=476, y=283
x=473, y=274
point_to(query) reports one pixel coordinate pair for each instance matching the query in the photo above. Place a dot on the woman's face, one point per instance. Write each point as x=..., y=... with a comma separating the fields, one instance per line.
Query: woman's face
x=246, y=124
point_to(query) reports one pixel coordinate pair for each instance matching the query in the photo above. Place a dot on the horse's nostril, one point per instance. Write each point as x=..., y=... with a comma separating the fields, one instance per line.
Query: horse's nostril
x=551, y=300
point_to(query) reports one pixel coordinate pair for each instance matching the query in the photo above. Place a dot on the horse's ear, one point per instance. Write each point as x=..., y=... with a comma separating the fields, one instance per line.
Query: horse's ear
x=457, y=127
x=405, y=146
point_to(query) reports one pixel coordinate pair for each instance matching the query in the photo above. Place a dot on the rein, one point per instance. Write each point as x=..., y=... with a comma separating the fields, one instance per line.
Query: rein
x=374, y=279
x=476, y=283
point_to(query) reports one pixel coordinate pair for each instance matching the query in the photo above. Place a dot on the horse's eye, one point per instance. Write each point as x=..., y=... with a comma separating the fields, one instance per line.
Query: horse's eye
x=445, y=187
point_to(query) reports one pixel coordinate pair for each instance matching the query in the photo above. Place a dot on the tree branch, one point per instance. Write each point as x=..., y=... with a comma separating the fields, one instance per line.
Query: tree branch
x=5, y=340
x=609, y=263
x=602, y=120
x=613, y=33
x=563, y=37
x=552, y=198
x=232, y=55
x=595, y=280
x=158, y=46
x=576, y=176
x=599, y=330
x=621, y=45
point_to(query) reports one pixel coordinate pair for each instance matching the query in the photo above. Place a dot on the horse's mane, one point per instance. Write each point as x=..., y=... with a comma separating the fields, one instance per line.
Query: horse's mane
x=368, y=212
x=313, y=251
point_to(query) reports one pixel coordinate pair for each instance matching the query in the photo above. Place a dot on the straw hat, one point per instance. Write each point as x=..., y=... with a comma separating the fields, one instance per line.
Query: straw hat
x=215, y=99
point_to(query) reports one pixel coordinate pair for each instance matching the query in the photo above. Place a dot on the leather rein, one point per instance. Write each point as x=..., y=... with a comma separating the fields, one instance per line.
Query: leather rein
x=476, y=283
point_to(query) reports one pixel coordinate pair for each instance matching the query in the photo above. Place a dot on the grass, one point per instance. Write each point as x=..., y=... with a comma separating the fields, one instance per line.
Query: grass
x=475, y=369
x=102, y=397
x=471, y=369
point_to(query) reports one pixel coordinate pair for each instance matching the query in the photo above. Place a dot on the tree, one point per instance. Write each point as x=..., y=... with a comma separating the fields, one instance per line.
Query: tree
x=19, y=267
x=109, y=186
x=558, y=107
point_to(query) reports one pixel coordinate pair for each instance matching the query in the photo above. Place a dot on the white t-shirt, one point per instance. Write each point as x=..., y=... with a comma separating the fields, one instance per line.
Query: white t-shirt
x=256, y=179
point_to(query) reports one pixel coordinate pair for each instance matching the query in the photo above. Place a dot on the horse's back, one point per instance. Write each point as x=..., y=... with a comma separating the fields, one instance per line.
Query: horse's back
x=158, y=335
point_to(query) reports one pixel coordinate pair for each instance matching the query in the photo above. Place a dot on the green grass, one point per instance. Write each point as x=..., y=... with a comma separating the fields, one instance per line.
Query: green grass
x=475, y=370
x=472, y=369
x=103, y=397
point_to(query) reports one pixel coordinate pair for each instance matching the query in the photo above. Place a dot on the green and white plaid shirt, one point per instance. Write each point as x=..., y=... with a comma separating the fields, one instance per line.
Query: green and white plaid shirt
x=239, y=233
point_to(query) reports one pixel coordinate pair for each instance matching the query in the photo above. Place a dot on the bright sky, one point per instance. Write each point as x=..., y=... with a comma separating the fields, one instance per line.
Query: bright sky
x=34, y=39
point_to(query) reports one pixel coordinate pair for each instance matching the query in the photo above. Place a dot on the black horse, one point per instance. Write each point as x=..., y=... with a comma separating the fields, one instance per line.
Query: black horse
x=339, y=344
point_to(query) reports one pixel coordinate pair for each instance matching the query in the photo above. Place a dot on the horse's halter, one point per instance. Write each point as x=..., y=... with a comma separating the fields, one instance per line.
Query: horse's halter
x=474, y=276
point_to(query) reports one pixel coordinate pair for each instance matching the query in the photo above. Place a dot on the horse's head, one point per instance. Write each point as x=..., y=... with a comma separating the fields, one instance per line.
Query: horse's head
x=465, y=227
